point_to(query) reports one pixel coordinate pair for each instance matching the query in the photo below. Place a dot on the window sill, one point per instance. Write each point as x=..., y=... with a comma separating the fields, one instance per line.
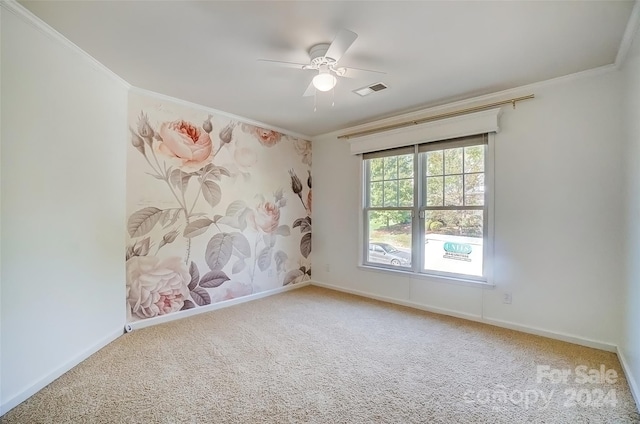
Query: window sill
x=429, y=277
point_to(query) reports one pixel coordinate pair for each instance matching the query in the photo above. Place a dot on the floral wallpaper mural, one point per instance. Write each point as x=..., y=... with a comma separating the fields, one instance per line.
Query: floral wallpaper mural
x=217, y=209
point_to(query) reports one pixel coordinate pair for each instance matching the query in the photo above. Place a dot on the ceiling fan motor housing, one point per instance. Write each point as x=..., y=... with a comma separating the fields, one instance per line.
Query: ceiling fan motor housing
x=318, y=59
x=317, y=52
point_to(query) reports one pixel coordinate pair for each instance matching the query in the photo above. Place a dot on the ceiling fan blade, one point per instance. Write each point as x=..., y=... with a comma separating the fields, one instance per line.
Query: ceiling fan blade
x=360, y=73
x=340, y=44
x=284, y=64
x=310, y=91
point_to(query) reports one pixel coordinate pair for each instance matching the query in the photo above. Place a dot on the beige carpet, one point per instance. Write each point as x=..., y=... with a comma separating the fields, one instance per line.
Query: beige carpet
x=314, y=355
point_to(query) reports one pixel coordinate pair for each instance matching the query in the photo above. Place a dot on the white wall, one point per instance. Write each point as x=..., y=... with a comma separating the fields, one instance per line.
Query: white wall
x=63, y=207
x=558, y=218
x=630, y=345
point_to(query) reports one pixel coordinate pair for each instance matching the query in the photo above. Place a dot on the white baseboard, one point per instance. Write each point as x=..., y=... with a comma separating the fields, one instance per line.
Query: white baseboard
x=633, y=384
x=53, y=375
x=441, y=311
x=569, y=338
x=136, y=325
x=477, y=318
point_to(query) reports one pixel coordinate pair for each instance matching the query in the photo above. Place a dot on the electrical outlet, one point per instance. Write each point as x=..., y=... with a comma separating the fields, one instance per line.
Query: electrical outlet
x=506, y=298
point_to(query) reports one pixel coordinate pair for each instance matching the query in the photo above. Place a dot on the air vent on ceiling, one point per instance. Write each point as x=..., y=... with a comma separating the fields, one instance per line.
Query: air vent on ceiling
x=370, y=89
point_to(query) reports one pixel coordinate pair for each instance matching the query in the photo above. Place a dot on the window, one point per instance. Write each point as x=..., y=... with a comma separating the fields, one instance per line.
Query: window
x=426, y=208
x=390, y=206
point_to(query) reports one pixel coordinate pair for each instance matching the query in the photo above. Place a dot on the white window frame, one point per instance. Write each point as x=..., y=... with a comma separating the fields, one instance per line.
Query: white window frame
x=418, y=214
x=365, y=212
x=485, y=122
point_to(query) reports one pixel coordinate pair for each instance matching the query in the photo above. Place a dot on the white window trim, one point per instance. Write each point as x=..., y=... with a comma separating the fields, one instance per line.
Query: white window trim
x=459, y=126
x=476, y=123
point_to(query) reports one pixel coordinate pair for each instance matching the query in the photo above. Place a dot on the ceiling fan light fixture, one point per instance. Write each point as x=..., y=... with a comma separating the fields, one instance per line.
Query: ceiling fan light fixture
x=324, y=81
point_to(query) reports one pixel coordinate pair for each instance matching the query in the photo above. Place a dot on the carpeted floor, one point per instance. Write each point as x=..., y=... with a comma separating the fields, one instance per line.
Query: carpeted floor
x=319, y=356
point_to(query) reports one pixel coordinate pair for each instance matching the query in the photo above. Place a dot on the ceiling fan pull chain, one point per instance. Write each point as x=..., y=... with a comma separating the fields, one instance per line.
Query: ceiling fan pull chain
x=333, y=96
x=315, y=100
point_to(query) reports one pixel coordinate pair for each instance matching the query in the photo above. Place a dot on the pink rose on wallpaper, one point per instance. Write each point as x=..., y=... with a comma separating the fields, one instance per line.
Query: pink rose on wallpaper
x=303, y=148
x=267, y=138
x=245, y=157
x=186, y=142
x=266, y=217
x=156, y=287
x=232, y=291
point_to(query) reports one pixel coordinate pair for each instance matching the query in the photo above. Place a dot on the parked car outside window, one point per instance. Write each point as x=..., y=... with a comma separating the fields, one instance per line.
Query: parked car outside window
x=386, y=253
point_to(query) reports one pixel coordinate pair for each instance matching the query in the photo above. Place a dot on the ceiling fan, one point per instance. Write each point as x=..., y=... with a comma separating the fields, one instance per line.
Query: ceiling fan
x=324, y=59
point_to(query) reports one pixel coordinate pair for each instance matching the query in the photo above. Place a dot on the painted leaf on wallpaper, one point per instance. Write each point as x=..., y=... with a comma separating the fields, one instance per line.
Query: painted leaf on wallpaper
x=187, y=305
x=303, y=223
x=238, y=266
x=169, y=217
x=264, y=258
x=235, y=208
x=291, y=276
x=241, y=244
x=200, y=296
x=236, y=214
x=213, y=279
x=180, y=179
x=214, y=172
x=242, y=219
x=142, y=221
x=230, y=221
x=143, y=247
x=197, y=227
x=305, y=245
x=283, y=230
x=195, y=276
x=269, y=240
x=280, y=259
x=219, y=250
x=211, y=192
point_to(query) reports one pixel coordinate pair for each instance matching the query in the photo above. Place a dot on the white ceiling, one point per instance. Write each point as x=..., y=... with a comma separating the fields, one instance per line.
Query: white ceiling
x=432, y=52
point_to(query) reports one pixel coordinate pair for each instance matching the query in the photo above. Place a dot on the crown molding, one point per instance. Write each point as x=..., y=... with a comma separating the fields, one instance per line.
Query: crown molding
x=629, y=34
x=23, y=13
x=212, y=111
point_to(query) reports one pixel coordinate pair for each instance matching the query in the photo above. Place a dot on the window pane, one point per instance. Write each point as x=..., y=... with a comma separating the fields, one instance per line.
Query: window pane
x=375, y=194
x=453, y=190
x=405, y=166
x=376, y=167
x=474, y=189
x=389, y=238
x=435, y=195
x=453, y=161
x=474, y=159
x=454, y=242
x=391, y=168
x=435, y=163
x=390, y=193
x=405, y=193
